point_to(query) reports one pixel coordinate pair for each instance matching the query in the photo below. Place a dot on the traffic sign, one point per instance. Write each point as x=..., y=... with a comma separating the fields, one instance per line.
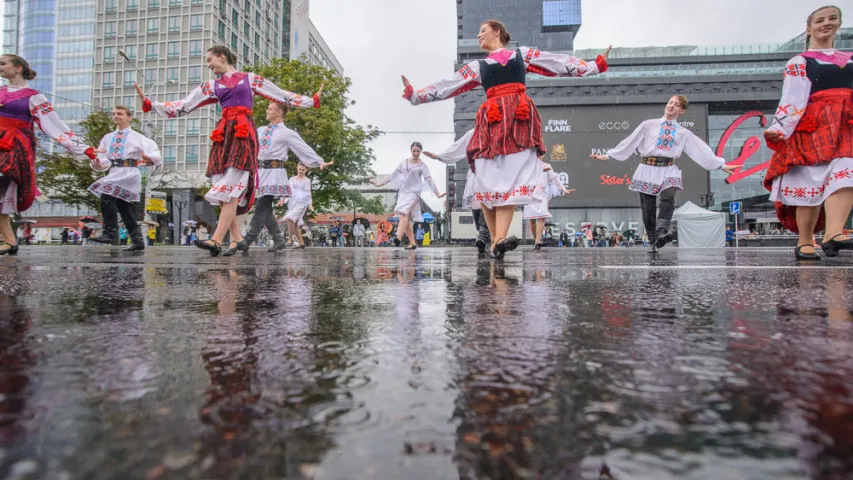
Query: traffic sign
x=734, y=208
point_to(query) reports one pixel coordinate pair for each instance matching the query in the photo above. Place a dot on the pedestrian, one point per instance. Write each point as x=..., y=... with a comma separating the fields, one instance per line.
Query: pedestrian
x=358, y=233
x=276, y=141
x=410, y=179
x=588, y=238
x=123, y=235
x=63, y=237
x=21, y=108
x=812, y=141
x=86, y=233
x=536, y=213
x=507, y=143
x=730, y=236
x=372, y=239
x=233, y=161
x=299, y=203
x=382, y=238
x=122, y=152
x=419, y=234
x=646, y=240
x=660, y=142
x=152, y=235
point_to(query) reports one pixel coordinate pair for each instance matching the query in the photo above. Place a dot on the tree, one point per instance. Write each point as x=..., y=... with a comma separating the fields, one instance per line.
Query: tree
x=332, y=134
x=67, y=177
x=355, y=200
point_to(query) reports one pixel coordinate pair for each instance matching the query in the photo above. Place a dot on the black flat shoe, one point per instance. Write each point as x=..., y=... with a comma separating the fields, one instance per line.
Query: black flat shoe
x=499, y=250
x=135, y=247
x=653, y=250
x=397, y=242
x=277, y=247
x=411, y=247
x=511, y=243
x=102, y=239
x=300, y=247
x=238, y=247
x=663, y=240
x=12, y=250
x=213, y=247
x=831, y=248
x=481, y=245
x=538, y=246
x=800, y=255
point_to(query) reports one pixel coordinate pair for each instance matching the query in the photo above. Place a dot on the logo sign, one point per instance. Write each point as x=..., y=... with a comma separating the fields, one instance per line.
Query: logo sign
x=734, y=208
x=617, y=125
x=750, y=147
x=558, y=153
x=555, y=126
x=156, y=203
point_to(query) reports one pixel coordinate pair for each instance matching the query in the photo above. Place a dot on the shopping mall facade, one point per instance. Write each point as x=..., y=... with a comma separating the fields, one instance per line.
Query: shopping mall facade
x=733, y=93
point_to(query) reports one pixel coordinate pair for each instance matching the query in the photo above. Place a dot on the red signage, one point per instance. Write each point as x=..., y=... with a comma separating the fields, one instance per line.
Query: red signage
x=750, y=146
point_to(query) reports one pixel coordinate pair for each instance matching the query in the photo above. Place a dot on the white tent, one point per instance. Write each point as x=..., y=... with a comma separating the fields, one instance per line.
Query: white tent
x=700, y=228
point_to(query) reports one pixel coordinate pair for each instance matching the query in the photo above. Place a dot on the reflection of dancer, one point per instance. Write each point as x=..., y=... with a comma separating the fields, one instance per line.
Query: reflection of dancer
x=660, y=142
x=276, y=140
x=538, y=212
x=812, y=139
x=456, y=153
x=410, y=178
x=20, y=107
x=299, y=202
x=233, y=161
x=121, y=152
x=508, y=140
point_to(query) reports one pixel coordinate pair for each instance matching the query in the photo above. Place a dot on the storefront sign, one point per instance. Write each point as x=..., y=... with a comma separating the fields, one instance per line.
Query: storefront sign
x=156, y=203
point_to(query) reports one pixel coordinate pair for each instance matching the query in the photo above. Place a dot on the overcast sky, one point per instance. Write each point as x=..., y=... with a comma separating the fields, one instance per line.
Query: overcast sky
x=377, y=40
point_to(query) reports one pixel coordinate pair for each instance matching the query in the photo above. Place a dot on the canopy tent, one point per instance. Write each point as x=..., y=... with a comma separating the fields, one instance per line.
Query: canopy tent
x=700, y=228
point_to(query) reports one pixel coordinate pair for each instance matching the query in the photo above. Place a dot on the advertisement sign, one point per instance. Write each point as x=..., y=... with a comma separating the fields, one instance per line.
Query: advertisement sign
x=156, y=203
x=573, y=133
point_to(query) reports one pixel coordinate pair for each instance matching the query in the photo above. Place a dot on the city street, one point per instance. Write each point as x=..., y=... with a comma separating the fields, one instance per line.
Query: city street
x=351, y=363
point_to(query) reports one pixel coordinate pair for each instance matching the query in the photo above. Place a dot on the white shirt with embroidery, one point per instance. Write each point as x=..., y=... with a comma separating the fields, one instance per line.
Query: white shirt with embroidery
x=411, y=177
x=300, y=191
x=49, y=122
x=124, y=183
x=274, y=143
x=205, y=94
x=537, y=61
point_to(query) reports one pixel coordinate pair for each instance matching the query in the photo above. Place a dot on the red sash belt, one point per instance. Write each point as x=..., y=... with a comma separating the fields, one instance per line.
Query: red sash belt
x=241, y=130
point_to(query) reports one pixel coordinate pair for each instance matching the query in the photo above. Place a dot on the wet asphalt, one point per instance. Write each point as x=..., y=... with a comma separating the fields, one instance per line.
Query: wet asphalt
x=378, y=363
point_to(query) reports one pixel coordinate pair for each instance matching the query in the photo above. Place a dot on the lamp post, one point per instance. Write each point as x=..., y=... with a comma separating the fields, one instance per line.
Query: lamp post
x=707, y=199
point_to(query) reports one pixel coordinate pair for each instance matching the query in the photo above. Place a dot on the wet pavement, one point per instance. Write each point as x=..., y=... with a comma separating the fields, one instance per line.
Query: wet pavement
x=380, y=363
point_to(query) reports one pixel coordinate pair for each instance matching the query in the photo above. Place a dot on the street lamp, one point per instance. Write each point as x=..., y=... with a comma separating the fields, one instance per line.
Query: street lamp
x=707, y=199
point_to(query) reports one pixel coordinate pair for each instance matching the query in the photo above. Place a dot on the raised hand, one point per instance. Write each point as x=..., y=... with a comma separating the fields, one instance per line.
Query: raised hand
x=374, y=182
x=773, y=136
x=430, y=155
x=326, y=164
x=568, y=192
x=599, y=157
x=320, y=91
x=607, y=52
x=406, y=83
x=730, y=169
x=139, y=91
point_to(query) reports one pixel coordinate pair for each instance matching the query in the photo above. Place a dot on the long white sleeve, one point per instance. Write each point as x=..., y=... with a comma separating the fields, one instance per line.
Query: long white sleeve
x=151, y=150
x=271, y=91
x=395, y=176
x=101, y=163
x=200, y=96
x=53, y=126
x=627, y=147
x=701, y=153
x=465, y=79
x=795, y=96
x=302, y=150
x=560, y=64
x=458, y=151
x=428, y=177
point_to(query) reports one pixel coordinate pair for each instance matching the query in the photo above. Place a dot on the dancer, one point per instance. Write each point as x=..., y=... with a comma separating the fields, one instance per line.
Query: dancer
x=454, y=154
x=20, y=107
x=660, y=141
x=300, y=201
x=122, y=152
x=507, y=142
x=276, y=140
x=410, y=178
x=538, y=212
x=812, y=139
x=233, y=161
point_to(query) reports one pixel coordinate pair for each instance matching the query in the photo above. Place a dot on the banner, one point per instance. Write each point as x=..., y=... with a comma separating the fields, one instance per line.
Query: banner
x=156, y=203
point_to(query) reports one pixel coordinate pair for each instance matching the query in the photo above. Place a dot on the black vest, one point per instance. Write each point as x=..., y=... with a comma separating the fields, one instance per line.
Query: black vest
x=492, y=74
x=825, y=76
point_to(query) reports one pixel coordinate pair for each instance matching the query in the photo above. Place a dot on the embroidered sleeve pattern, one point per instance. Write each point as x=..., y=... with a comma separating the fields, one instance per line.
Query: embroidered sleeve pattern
x=700, y=152
x=270, y=91
x=53, y=126
x=795, y=96
x=627, y=147
x=465, y=79
x=199, y=97
x=560, y=64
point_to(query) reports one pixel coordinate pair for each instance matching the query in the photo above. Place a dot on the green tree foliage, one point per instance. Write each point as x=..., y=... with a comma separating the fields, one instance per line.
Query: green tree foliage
x=67, y=177
x=355, y=200
x=332, y=134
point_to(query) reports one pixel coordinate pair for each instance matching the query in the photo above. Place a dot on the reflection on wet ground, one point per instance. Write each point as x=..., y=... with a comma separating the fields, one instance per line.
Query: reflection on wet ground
x=365, y=364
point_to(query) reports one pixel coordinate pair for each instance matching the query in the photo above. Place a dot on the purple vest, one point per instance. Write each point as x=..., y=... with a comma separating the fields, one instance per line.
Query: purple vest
x=234, y=91
x=16, y=104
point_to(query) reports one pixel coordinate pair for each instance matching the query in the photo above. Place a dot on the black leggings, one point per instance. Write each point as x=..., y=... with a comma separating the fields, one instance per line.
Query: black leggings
x=657, y=225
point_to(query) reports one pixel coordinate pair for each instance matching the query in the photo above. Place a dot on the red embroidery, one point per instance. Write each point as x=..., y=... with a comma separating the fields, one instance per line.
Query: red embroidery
x=206, y=90
x=799, y=192
x=532, y=53
x=814, y=192
x=842, y=174
x=797, y=70
x=42, y=109
x=467, y=72
x=258, y=82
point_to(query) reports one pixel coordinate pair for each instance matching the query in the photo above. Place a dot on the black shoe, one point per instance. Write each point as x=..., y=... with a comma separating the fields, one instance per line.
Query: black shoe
x=481, y=246
x=396, y=242
x=278, y=246
x=213, y=247
x=103, y=239
x=798, y=253
x=499, y=250
x=135, y=247
x=12, y=250
x=511, y=243
x=411, y=247
x=663, y=240
x=538, y=246
x=654, y=249
x=831, y=248
x=238, y=247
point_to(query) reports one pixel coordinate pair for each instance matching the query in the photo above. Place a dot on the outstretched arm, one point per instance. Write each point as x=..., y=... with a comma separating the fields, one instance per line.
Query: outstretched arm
x=561, y=64
x=454, y=153
x=466, y=78
x=626, y=147
x=302, y=150
x=53, y=126
x=271, y=91
x=199, y=97
x=701, y=153
x=100, y=162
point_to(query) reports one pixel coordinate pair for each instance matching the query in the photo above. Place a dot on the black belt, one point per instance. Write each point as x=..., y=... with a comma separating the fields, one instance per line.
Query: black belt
x=658, y=161
x=271, y=164
x=126, y=162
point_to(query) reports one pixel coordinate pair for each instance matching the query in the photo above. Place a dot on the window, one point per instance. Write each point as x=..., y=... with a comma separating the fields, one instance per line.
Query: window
x=108, y=79
x=74, y=80
x=169, y=152
x=194, y=73
x=129, y=78
x=76, y=13
x=221, y=29
x=222, y=7
x=128, y=100
x=172, y=74
x=75, y=47
x=152, y=50
x=130, y=27
x=174, y=24
x=109, y=54
x=193, y=126
x=171, y=127
x=246, y=51
x=153, y=25
x=257, y=18
x=246, y=29
x=174, y=49
x=73, y=63
x=150, y=76
x=110, y=29
x=70, y=30
x=153, y=3
x=234, y=41
x=235, y=17
x=192, y=152
x=196, y=22
x=130, y=50
x=195, y=2
x=110, y=6
x=195, y=48
x=133, y=4
x=107, y=102
x=175, y=3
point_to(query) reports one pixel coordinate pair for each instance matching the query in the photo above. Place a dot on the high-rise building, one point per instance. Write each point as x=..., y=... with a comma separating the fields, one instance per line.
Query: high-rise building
x=305, y=39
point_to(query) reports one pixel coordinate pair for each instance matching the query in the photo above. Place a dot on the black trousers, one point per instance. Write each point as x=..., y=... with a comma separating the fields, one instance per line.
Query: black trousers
x=264, y=217
x=482, y=227
x=657, y=224
x=111, y=208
